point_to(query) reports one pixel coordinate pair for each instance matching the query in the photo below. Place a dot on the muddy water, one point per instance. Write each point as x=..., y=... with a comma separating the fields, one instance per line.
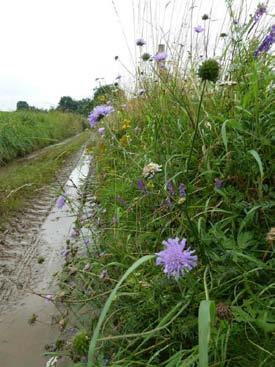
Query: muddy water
x=22, y=344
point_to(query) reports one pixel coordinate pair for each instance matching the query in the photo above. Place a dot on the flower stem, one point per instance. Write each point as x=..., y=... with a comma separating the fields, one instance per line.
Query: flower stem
x=196, y=128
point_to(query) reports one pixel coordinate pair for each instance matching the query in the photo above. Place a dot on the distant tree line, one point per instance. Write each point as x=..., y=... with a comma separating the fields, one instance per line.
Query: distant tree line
x=102, y=95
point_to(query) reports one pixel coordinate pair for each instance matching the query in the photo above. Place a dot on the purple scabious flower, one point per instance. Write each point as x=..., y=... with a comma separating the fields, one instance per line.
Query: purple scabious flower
x=140, y=42
x=266, y=43
x=176, y=259
x=170, y=188
x=218, y=183
x=198, y=29
x=98, y=113
x=60, y=202
x=160, y=56
x=260, y=11
x=101, y=130
x=141, y=186
x=182, y=190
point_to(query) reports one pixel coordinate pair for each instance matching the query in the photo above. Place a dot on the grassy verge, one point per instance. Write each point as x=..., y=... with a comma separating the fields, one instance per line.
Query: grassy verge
x=22, y=179
x=213, y=187
x=23, y=132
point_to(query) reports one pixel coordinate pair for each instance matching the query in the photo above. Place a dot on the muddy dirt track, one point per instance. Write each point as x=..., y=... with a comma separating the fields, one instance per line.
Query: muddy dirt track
x=30, y=253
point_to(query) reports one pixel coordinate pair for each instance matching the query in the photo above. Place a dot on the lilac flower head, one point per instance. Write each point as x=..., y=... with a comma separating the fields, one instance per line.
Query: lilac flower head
x=198, y=29
x=60, y=202
x=140, y=42
x=266, y=43
x=160, y=56
x=104, y=274
x=170, y=188
x=101, y=130
x=218, y=183
x=176, y=259
x=260, y=11
x=182, y=190
x=141, y=185
x=98, y=113
x=48, y=298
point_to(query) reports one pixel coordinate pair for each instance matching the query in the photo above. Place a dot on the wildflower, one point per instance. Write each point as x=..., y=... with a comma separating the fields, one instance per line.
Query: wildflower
x=209, y=70
x=168, y=203
x=101, y=130
x=60, y=202
x=170, y=188
x=48, y=298
x=224, y=312
x=205, y=17
x=104, y=274
x=124, y=140
x=150, y=170
x=218, y=183
x=182, y=190
x=176, y=259
x=260, y=11
x=235, y=22
x=160, y=56
x=223, y=35
x=266, y=43
x=199, y=29
x=146, y=56
x=140, y=42
x=121, y=201
x=98, y=113
x=141, y=186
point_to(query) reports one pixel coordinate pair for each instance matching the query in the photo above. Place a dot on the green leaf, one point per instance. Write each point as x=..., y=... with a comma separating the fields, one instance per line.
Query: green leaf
x=255, y=154
x=224, y=136
x=206, y=317
x=108, y=303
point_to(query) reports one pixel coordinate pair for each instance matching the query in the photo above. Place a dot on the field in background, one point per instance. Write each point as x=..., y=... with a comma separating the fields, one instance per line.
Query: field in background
x=24, y=132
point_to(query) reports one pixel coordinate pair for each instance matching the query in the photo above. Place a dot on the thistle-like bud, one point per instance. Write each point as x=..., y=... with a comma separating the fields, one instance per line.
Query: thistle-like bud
x=205, y=17
x=209, y=70
x=146, y=56
x=224, y=312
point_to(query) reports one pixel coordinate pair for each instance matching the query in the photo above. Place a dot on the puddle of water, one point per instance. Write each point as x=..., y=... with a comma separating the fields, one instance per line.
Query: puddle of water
x=20, y=343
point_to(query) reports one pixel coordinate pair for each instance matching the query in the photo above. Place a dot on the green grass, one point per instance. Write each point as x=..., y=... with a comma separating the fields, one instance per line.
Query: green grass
x=197, y=132
x=24, y=132
x=20, y=180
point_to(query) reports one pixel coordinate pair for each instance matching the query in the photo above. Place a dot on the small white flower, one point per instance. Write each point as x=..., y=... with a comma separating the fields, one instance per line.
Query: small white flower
x=150, y=170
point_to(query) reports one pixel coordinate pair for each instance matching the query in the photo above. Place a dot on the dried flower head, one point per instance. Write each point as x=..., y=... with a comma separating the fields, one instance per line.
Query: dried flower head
x=176, y=259
x=224, y=312
x=150, y=170
x=205, y=17
x=209, y=70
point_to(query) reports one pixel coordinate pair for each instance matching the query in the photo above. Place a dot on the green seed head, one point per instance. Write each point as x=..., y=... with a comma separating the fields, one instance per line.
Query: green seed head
x=209, y=70
x=146, y=56
x=80, y=344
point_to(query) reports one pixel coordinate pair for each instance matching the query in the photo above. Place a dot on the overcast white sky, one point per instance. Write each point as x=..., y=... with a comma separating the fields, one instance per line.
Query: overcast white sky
x=51, y=48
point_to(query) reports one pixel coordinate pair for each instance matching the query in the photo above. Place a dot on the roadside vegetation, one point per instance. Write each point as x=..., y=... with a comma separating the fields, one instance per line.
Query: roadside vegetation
x=24, y=178
x=181, y=270
x=23, y=132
